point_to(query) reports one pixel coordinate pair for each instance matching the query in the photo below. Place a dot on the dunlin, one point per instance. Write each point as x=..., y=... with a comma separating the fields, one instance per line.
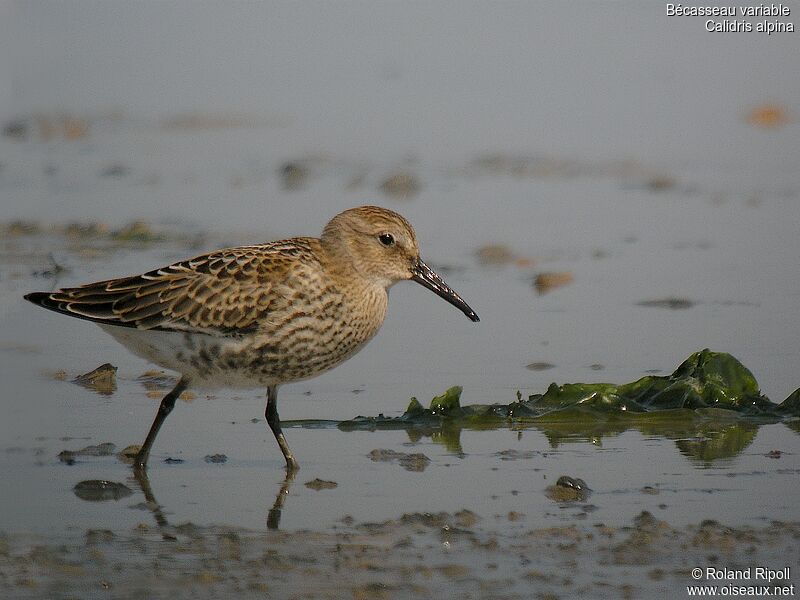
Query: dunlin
x=262, y=315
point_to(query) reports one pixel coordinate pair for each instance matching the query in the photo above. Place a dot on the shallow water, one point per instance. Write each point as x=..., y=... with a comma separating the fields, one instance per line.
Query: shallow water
x=654, y=187
x=592, y=329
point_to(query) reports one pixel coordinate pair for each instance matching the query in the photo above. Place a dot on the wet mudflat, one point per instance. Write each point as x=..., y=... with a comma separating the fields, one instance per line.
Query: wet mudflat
x=602, y=238
x=414, y=556
x=598, y=507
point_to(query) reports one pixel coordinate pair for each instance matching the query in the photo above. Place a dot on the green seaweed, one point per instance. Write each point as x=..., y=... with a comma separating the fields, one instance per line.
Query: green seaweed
x=706, y=386
x=448, y=403
x=711, y=406
x=791, y=406
x=704, y=380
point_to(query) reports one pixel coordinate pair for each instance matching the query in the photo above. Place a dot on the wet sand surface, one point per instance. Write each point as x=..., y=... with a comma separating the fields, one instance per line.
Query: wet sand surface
x=414, y=556
x=606, y=237
x=393, y=513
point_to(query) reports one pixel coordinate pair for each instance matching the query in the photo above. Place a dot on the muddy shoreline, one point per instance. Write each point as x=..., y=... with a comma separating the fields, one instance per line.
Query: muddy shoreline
x=419, y=555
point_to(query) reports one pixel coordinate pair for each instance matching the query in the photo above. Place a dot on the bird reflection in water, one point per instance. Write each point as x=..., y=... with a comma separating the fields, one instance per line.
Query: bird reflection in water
x=98, y=490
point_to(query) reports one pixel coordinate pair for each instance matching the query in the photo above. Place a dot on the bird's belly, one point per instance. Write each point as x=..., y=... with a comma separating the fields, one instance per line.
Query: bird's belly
x=250, y=361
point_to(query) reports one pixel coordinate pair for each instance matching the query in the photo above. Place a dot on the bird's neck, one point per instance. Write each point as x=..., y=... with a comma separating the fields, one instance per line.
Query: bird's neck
x=338, y=259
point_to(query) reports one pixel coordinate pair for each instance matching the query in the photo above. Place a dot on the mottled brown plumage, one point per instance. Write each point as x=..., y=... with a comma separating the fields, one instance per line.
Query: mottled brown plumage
x=262, y=315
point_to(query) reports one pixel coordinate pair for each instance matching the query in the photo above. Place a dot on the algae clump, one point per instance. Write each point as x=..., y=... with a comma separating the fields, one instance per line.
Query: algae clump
x=447, y=403
x=704, y=380
x=707, y=386
x=711, y=405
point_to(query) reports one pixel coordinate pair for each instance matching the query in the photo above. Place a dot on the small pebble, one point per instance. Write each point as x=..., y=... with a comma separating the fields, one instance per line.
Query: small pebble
x=293, y=175
x=321, y=484
x=102, y=380
x=539, y=366
x=670, y=303
x=547, y=282
x=401, y=185
x=216, y=458
x=99, y=490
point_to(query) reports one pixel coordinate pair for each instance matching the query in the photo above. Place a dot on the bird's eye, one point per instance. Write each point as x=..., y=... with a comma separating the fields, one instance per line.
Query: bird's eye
x=387, y=239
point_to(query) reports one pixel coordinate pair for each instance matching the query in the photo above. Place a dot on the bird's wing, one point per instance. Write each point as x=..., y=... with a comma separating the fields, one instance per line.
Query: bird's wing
x=224, y=292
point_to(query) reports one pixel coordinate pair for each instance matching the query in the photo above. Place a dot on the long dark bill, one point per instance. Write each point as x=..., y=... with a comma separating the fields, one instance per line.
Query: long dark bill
x=424, y=275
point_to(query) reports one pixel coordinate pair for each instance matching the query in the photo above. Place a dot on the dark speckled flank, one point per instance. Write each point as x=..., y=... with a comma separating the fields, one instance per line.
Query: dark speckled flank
x=260, y=315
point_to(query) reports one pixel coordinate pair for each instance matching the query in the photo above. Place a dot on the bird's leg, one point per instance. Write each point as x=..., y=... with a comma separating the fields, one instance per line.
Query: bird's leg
x=140, y=462
x=275, y=424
